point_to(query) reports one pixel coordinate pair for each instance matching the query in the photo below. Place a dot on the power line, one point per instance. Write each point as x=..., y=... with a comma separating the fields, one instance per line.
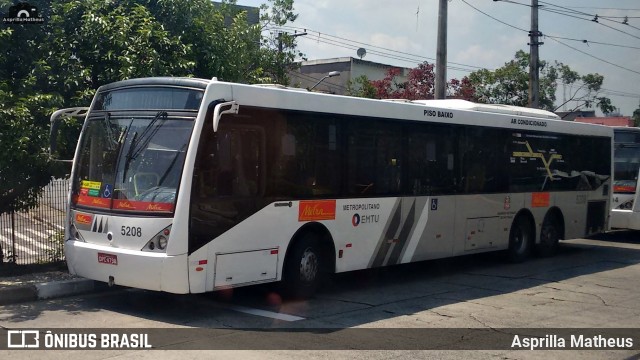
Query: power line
x=602, y=8
x=570, y=9
x=553, y=36
x=413, y=58
x=496, y=19
x=584, y=41
x=620, y=94
x=595, y=57
x=558, y=41
x=384, y=52
x=591, y=17
x=590, y=20
x=369, y=46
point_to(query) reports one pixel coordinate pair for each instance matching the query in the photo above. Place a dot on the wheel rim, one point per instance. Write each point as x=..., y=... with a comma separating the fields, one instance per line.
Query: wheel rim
x=308, y=265
x=549, y=235
x=520, y=240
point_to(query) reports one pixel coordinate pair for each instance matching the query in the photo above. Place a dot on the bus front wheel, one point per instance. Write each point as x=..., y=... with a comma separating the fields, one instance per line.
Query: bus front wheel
x=303, y=267
x=520, y=240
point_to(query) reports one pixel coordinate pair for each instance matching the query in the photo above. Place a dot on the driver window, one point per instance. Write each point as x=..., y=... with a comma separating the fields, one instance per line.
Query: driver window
x=230, y=163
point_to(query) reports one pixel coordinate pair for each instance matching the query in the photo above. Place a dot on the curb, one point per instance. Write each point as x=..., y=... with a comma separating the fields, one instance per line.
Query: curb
x=49, y=290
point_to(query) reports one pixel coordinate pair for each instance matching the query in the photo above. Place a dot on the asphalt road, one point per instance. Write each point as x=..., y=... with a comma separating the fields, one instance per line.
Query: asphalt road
x=479, y=303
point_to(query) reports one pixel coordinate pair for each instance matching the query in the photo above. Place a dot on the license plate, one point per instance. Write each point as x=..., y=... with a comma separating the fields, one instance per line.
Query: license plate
x=107, y=259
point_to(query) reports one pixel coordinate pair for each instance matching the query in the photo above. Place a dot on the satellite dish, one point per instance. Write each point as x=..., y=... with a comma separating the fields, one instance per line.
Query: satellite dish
x=362, y=52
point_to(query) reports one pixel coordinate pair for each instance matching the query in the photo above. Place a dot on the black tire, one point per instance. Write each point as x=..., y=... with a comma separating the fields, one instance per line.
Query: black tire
x=520, y=240
x=550, y=234
x=303, y=267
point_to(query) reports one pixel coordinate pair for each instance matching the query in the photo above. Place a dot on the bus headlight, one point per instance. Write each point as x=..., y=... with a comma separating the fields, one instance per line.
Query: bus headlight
x=162, y=242
x=159, y=242
x=627, y=205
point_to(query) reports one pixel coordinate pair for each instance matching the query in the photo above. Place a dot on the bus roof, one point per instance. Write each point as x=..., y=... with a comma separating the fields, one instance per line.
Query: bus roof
x=458, y=104
x=626, y=128
x=162, y=81
x=295, y=99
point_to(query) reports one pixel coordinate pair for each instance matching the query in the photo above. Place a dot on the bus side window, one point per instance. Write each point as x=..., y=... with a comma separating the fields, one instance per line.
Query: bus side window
x=231, y=163
x=431, y=160
x=374, y=158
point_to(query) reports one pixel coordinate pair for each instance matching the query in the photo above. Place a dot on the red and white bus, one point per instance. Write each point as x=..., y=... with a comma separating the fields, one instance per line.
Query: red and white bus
x=625, y=210
x=189, y=185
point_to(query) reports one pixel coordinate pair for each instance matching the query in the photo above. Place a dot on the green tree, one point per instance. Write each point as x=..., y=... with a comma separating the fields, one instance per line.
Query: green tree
x=636, y=116
x=278, y=49
x=87, y=43
x=509, y=85
x=222, y=42
x=24, y=166
x=361, y=87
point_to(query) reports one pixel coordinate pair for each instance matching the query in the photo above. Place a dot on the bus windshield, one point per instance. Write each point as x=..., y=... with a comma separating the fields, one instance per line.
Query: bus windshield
x=131, y=162
x=627, y=161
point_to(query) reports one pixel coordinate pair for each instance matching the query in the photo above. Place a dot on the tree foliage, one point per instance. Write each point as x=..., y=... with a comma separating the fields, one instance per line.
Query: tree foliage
x=419, y=85
x=361, y=87
x=636, y=116
x=84, y=44
x=509, y=85
x=279, y=62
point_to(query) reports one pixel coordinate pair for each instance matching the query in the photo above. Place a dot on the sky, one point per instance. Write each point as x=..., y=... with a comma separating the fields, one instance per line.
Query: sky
x=481, y=34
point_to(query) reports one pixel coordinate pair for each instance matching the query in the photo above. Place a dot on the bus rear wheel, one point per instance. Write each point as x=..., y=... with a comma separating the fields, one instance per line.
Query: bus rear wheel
x=303, y=267
x=520, y=240
x=549, y=237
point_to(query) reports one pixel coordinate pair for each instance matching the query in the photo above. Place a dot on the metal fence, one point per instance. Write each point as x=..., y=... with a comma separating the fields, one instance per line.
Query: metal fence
x=35, y=236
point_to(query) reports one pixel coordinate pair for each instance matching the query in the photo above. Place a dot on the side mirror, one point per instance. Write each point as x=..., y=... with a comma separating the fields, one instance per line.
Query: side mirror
x=77, y=112
x=218, y=112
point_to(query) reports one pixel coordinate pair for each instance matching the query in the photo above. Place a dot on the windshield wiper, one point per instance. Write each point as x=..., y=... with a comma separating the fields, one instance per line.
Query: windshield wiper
x=148, y=134
x=171, y=164
x=135, y=147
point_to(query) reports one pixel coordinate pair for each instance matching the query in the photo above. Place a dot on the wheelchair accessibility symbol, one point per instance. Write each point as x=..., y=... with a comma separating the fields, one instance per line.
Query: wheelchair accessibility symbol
x=107, y=192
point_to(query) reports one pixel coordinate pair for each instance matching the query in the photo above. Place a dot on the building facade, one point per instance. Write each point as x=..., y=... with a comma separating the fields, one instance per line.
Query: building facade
x=312, y=71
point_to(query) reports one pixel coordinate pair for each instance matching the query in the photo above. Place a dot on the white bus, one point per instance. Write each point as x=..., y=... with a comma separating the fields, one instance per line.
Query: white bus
x=625, y=210
x=188, y=185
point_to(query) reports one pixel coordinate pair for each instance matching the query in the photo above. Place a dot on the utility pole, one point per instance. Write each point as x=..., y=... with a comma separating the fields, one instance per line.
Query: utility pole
x=441, y=53
x=282, y=69
x=294, y=35
x=534, y=58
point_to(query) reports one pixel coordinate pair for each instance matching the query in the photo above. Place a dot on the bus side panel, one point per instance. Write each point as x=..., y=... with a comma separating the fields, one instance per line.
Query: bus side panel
x=432, y=237
x=483, y=221
x=574, y=209
x=271, y=228
x=367, y=231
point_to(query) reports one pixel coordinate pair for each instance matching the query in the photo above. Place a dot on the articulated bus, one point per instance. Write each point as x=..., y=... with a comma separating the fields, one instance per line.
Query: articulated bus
x=188, y=185
x=625, y=209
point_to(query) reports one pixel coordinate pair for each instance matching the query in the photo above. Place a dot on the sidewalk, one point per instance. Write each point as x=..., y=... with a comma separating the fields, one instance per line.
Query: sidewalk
x=16, y=287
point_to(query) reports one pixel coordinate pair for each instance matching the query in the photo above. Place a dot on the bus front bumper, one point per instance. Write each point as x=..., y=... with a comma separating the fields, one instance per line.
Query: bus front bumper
x=138, y=269
x=624, y=219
